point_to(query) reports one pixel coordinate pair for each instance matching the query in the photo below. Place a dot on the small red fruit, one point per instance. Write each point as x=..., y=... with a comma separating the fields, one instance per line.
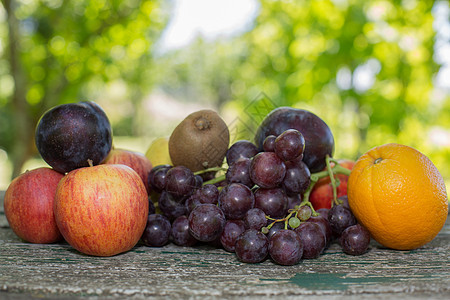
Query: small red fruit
x=322, y=194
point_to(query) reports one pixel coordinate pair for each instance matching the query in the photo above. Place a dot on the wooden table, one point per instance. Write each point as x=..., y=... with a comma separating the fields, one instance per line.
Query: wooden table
x=58, y=271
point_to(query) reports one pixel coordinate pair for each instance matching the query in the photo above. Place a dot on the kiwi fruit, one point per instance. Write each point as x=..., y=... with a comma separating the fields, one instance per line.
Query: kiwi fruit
x=200, y=141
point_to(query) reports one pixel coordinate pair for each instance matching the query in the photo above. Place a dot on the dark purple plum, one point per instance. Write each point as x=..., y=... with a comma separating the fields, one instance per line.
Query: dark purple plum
x=71, y=136
x=319, y=140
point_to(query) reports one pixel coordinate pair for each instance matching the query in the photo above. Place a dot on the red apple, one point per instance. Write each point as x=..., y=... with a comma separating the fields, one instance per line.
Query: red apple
x=322, y=194
x=101, y=210
x=135, y=160
x=28, y=205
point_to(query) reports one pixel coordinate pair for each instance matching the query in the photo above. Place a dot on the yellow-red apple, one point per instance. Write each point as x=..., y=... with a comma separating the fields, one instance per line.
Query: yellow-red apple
x=101, y=210
x=28, y=205
x=135, y=160
x=322, y=194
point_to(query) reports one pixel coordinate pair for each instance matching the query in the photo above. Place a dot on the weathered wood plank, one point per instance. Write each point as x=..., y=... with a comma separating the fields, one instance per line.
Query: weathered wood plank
x=57, y=271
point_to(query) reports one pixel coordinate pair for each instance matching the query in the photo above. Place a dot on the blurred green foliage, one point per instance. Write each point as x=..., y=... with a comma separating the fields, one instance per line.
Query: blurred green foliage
x=55, y=52
x=365, y=67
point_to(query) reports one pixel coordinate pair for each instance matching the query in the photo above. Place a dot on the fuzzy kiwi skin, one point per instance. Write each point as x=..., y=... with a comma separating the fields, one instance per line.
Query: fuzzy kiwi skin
x=200, y=141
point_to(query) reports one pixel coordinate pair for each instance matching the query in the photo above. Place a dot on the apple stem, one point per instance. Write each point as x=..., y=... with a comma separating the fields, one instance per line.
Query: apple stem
x=90, y=162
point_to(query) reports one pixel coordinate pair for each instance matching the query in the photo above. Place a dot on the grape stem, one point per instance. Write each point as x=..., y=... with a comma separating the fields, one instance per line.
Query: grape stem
x=330, y=171
x=215, y=180
x=214, y=169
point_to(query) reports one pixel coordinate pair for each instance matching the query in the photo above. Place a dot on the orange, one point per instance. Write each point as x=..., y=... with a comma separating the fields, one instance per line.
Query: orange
x=398, y=194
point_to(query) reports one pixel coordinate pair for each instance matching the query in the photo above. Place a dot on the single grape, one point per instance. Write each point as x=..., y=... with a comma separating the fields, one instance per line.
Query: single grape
x=286, y=247
x=304, y=213
x=206, y=222
x=275, y=228
x=267, y=170
x=191, y=203
x=252, y=246
x=297, y=178
x=230, y=233
x=239, y=172
x=294, y=200
x=272, y=201
x=180, y=181
x=269, y=143
x=294, y=222
x=157, y=177
x=355, y=240
x=171, y=207
x=323, y=212
x=235, y=200
x=324, y=225
x=198, y=181
x=180, y=232
x=340, y=218
x=255, y=218
x=313, y=239
x=208, y=193
x=240, y=149
x=157, y=231
x=289, y=145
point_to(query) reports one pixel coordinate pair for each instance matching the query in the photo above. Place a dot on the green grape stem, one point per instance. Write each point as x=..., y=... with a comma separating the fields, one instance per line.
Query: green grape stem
x=214, y=169
x=330, y=171
x=215, y=180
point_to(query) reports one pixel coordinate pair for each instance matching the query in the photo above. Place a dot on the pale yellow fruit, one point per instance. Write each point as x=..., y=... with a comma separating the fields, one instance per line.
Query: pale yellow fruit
x=158, y=152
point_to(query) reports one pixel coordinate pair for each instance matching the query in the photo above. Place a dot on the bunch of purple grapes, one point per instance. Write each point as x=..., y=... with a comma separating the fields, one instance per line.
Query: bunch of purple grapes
x=247, y=212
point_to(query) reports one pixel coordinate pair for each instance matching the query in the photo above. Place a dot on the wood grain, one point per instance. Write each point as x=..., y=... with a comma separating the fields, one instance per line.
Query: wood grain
x=55, y=271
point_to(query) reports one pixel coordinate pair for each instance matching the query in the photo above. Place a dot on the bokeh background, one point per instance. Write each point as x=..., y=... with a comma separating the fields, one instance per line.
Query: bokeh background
x=376, y=71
